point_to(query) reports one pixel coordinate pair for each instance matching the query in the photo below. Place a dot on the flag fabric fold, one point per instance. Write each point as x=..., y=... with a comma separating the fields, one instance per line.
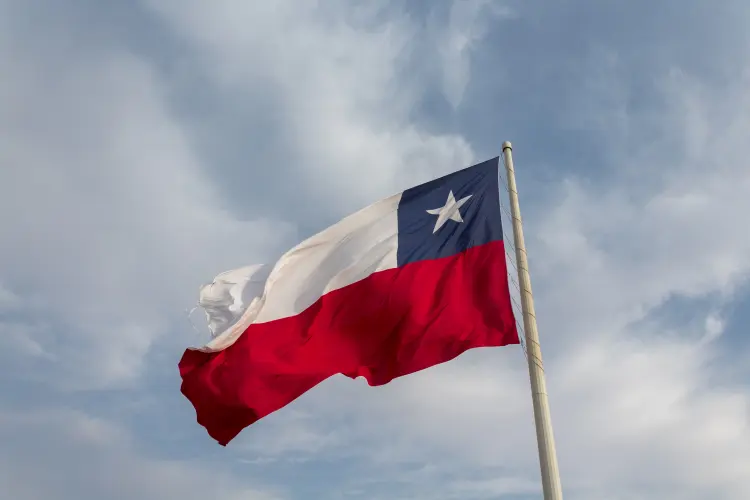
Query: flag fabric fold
x=409, y=282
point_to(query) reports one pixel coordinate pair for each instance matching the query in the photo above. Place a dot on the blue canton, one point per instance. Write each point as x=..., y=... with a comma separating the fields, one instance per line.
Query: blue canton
x=451, y=214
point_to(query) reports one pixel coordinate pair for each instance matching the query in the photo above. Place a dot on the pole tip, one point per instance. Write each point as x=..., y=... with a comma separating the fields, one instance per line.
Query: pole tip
x=507, y=145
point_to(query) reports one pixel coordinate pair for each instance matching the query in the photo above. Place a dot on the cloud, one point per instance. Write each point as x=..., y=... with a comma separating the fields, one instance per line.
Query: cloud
x=660, y=425
x=60, y=454
x=131, y=175
x=665, y=229
x=468, y=22
x=344, y=82
x=107, y=215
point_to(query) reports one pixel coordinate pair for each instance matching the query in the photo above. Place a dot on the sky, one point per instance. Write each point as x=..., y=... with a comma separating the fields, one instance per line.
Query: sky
x=147, y=145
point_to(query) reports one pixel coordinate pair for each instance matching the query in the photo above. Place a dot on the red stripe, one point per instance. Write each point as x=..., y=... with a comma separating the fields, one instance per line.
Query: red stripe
x=390, y=324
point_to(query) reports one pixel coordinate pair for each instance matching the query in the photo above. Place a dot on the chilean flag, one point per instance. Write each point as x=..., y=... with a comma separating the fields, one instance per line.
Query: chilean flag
x=409, y=282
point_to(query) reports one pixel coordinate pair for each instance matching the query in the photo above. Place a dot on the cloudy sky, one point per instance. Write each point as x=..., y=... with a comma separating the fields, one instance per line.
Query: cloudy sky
x=147, y=145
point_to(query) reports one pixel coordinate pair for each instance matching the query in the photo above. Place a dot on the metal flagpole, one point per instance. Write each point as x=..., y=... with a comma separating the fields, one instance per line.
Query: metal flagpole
x=545, y=439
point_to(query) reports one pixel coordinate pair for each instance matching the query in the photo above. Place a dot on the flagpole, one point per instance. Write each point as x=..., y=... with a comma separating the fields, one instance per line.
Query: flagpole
x=545, y=439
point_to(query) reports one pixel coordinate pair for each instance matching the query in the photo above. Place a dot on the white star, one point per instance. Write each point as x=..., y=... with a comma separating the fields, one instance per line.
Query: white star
x=449, y=211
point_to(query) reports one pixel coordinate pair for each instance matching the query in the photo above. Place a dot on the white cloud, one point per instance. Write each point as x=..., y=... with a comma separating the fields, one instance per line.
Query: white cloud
x=715, y=326
x=109, y=220
x=345, y=82
x=61, y=454
x=669, y=226
x=468, y=21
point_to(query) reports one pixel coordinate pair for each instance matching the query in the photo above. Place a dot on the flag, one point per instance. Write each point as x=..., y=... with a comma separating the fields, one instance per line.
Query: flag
x=409, y=282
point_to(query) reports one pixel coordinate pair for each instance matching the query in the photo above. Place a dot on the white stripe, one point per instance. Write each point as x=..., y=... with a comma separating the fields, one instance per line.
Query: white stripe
x=348, y=251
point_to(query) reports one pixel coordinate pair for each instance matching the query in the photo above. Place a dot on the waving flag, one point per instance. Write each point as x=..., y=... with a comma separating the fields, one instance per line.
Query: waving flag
x=409, y=282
